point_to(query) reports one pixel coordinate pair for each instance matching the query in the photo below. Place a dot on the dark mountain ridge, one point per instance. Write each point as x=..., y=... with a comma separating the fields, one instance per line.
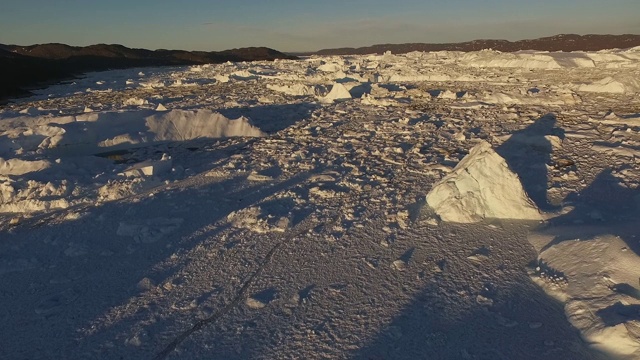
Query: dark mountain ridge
x=26, y=67
x=562, y=42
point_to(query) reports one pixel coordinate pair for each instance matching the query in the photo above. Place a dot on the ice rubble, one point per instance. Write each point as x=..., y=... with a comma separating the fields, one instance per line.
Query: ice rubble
x=481, y=187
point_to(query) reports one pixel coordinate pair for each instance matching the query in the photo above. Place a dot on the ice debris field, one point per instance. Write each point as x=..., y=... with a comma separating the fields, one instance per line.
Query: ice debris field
x=440, y=205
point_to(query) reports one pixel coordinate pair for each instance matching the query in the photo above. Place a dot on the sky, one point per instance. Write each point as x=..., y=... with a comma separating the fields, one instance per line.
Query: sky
x=301, y=25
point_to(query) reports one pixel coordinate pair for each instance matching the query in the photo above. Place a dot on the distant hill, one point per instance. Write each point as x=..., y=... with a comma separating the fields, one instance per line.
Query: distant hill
x=564, y=42
x=25, y=67
x=18, y=72
x=56, y=51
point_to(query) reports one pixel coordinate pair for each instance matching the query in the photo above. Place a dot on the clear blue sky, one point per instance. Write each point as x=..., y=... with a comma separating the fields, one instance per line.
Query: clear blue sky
x=291, y=25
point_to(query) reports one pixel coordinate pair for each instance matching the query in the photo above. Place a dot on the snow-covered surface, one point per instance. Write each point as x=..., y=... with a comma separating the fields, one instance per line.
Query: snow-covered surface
x=606, y=271
x=281, y=208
